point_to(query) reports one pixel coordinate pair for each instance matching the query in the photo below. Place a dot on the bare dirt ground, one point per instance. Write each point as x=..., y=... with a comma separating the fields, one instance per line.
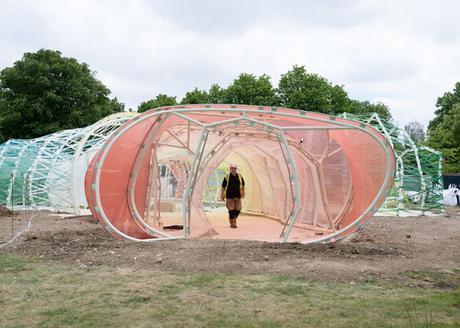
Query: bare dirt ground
x=386, y=249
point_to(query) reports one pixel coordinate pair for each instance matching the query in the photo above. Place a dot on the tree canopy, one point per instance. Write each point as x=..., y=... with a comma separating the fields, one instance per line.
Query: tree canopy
x=297, y=89
x=362, y=107
x=302, y=90
x=159, y=101
x=216, y=94
x=251, y=90
x=445, y=137
x=195, y=97
x=45, y=92
x=444, y=105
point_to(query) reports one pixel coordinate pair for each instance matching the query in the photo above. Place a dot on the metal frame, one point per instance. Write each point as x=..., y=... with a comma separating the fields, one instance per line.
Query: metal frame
x=182, y=112
x=415, y=165
x=46, y=169
x=69, y=147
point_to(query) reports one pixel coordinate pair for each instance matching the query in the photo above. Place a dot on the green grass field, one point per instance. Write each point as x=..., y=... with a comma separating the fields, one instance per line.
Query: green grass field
x=42, y=293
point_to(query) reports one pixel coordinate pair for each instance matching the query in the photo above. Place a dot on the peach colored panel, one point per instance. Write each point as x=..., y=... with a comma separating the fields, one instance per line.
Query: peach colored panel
x=339, y=171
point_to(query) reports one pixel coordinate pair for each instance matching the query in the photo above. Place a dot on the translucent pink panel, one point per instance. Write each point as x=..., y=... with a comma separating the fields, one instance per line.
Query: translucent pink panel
x=367, y=164
x=114, y=180
x=332, y=176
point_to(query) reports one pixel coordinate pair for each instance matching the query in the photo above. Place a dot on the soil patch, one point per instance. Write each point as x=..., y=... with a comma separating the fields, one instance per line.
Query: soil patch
x=387, y=248
x=5, y=211
x=12, y=224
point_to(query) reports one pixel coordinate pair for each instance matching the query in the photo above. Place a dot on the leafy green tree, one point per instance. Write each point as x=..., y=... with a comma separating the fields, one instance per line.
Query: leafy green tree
x=302, y=90
x=338, y=100
x=159, y=101
x=362, y=107
x=216, y=94
x=45, y=92
x=444, y=105
x=195, y=97
x=445, y=137
x=251, y=90
x=297, y=89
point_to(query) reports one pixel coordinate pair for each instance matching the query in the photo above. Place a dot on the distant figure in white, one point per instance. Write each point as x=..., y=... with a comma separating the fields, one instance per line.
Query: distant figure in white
x=451, y=196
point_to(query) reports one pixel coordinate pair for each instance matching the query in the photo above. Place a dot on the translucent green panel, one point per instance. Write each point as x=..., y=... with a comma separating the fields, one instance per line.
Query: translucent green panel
x=418, y=181
x=41, y=172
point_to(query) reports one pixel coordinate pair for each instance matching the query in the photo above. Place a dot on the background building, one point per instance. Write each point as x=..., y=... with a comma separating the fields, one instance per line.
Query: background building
x=416, y=131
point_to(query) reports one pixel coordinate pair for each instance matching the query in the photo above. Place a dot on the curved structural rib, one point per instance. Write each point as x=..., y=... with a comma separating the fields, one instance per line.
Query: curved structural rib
x=333, y=173
x=47, y=172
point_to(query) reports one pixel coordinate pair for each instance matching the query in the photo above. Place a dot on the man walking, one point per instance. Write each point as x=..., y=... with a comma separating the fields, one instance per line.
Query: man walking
x=233, y=191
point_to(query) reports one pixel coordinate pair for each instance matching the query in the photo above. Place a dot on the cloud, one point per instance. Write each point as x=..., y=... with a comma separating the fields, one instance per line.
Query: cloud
x=232, y=18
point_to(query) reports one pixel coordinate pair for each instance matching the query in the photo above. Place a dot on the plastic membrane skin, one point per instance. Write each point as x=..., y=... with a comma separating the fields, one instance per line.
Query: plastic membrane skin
x=48, y=172
x=418, y=187
x=309, y=177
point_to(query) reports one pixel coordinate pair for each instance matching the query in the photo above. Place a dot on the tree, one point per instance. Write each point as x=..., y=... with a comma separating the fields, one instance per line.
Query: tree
x=338, y=100
x=249, y=90
x=302, y=90
x=159, y=101
x=45, y=92
x=445, y=137
x=362, y=107
x=297, y=89
x=216, y=94
x=195, y=97
x=445, y=105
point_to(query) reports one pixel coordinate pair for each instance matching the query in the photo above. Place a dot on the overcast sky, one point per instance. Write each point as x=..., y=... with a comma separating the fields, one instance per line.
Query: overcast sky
x=402, y=53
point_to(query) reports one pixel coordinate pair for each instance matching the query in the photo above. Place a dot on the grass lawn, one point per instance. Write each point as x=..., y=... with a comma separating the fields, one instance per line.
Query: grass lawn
x=42, y=293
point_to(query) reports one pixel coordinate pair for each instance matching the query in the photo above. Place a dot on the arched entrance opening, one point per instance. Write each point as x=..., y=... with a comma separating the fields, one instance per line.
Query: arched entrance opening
x=318, y=177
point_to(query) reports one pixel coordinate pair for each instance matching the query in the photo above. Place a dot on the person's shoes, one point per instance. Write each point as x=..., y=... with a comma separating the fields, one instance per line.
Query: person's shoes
x=233, y=223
